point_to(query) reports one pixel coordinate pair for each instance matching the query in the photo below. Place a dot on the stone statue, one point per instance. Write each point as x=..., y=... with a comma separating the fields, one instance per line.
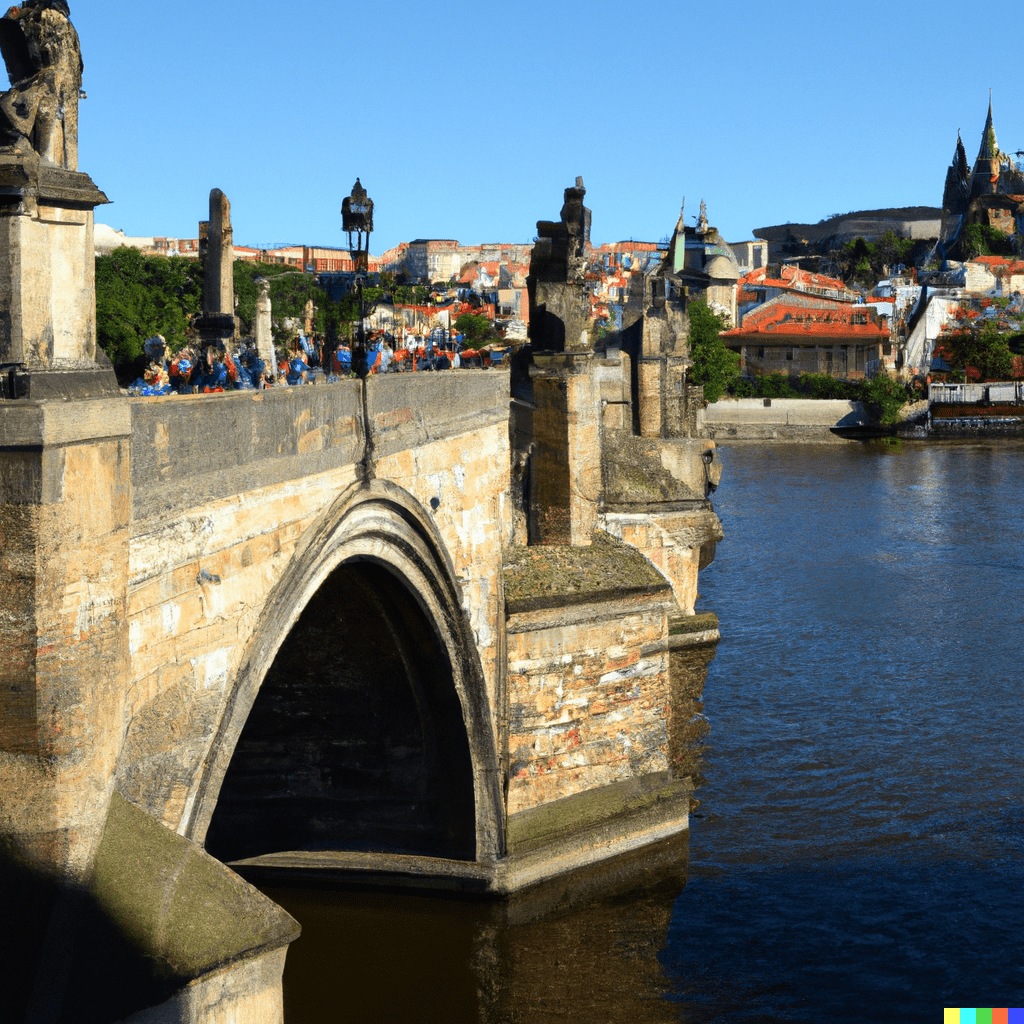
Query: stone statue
x=557, y=287
x=40, y=110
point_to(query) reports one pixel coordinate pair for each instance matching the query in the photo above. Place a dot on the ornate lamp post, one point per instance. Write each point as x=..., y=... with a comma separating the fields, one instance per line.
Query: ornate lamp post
x=357, y=219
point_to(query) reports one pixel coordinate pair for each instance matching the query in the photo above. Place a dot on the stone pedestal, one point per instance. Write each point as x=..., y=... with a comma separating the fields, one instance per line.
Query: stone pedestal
x=217, y=329
x=63, y=523
x=565, y=477
x=47, y=278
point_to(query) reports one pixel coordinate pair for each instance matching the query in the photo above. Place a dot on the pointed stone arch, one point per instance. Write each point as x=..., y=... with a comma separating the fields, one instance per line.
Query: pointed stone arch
x=377, y=540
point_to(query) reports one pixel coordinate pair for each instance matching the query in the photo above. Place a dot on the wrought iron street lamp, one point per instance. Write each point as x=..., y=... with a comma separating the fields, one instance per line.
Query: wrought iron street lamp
x=357, y=220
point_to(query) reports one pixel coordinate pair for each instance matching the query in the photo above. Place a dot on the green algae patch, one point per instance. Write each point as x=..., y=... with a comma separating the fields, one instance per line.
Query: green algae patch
x=683, y=625
x=178, y=908
x=610, y=810
x=550, y=575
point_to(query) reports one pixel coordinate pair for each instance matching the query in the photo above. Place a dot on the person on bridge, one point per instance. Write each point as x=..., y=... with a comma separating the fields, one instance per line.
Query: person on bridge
x=217, y=372
x=341, y=360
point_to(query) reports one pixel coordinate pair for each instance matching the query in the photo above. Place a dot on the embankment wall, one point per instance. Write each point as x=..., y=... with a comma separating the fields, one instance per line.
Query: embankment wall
x=778, y=419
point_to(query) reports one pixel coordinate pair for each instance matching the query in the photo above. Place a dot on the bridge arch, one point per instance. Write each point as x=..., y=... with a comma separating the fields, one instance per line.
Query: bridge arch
x=358, y=718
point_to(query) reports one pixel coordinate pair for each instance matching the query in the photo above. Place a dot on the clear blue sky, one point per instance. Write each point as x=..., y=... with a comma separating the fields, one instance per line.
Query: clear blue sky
x=467, y=122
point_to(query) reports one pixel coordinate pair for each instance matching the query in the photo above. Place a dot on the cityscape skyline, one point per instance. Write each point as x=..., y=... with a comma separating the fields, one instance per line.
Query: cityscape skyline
x=471, y=128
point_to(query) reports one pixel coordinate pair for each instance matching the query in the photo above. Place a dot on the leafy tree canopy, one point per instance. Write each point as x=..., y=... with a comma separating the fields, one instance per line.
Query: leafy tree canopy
x=979, y=351
x=865, y=262
x=714, y=365
x=475, y=327
x=139, y=296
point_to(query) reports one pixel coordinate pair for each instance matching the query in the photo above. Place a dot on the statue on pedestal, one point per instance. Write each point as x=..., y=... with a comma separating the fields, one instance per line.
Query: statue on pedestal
x=51, y=331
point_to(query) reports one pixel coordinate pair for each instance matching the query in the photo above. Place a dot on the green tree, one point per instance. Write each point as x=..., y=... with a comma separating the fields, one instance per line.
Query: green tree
x=606, y=327
x=982, y=240
x=714, y=365
x=476, y=328
x=979, y=347
x=139, y=296
x=888, y=395
x=290, y=290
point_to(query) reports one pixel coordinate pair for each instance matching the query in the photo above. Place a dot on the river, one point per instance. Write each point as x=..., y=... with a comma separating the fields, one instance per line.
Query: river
x=858, y=854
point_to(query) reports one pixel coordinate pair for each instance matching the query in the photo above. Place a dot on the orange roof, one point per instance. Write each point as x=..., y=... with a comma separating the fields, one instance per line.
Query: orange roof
x=781, y=318
x=792, y=278
x=997, y=263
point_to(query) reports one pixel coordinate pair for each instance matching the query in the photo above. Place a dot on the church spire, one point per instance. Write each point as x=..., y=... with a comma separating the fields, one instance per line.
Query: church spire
x=985, y=176
x=989, y=147
x=956, y=194
x=960, y=159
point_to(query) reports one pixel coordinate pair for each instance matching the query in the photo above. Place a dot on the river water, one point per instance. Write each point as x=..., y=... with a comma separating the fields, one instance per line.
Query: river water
x=858, y=854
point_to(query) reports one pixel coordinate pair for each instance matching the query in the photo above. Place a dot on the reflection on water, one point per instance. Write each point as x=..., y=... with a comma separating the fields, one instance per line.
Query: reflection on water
x=854, y=939
x=862, y=841
x=582, y=949
x=858, y=852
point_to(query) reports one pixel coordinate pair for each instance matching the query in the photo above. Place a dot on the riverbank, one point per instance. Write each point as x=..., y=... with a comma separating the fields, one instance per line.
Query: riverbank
x=833, y=420
x=781, y=419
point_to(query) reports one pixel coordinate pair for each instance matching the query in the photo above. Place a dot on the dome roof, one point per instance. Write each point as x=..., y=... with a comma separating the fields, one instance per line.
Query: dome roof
x=722, y=268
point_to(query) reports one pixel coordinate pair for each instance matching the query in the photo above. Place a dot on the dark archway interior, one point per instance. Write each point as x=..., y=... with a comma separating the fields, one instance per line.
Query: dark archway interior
x=356, y=739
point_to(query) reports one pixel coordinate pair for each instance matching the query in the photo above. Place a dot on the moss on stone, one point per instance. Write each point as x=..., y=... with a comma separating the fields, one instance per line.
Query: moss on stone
x=699, y=623
x=551, y=574
x=634, y=474
x=183, y=911
x=605, y=808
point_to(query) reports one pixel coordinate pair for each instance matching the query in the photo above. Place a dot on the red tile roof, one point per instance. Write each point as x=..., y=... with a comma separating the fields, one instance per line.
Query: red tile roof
x=1001, y=263
x=785, y=316
x=793, y=279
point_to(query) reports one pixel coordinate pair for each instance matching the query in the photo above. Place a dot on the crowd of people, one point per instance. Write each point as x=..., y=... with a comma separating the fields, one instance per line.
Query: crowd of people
x=213, y=369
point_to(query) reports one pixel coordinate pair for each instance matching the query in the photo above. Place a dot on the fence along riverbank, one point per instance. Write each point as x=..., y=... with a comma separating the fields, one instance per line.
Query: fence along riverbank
x=994, y=409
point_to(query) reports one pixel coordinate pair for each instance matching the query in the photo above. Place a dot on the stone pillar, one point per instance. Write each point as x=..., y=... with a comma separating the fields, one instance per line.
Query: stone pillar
x=556, y=285
x=218, y=324
x=565, y=475
x=64, y=497
x=263, y=331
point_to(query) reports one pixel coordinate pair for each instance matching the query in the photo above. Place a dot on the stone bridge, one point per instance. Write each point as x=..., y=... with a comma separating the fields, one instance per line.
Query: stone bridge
x=424, y=629
x=299, y=630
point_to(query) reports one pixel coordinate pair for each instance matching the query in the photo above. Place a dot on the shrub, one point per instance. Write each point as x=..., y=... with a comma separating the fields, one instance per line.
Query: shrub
x=776, y=385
